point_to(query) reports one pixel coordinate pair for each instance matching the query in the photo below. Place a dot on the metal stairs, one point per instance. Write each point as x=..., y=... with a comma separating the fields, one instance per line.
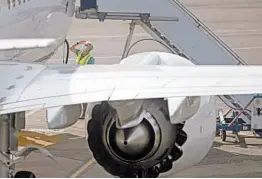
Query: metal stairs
x=172, y=24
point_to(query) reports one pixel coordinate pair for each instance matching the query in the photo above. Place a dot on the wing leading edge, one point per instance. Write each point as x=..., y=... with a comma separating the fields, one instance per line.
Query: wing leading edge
x=29, y=86
x=13, y=44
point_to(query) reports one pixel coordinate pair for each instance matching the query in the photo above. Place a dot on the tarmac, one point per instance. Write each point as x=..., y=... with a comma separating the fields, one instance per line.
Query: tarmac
x=237, y=22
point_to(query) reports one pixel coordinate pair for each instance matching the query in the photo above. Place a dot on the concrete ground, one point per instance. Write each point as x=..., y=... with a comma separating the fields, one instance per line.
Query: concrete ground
x=237, y=22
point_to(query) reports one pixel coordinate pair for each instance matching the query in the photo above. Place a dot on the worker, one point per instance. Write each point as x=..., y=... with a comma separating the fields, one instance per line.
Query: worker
x=83, y=54
x=84, y=57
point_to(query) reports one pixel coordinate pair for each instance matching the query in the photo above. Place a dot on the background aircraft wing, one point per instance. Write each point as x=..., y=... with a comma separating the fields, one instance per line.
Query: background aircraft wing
x=28, y=86
x=26, y=43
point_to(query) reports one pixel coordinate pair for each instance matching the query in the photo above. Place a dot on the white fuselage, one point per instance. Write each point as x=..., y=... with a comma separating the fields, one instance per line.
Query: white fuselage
x=34, y=19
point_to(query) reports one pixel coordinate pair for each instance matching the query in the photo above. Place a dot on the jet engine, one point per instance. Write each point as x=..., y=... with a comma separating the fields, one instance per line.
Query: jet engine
x=143, y=143
x=147, y=137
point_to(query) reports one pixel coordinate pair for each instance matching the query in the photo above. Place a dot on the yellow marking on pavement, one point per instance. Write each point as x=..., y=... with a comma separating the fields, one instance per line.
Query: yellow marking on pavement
x=39, y=139
x=81, y=169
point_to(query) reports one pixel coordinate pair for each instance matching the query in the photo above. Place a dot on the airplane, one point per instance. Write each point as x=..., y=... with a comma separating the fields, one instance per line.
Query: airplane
x=34, y=19
x=151, y=115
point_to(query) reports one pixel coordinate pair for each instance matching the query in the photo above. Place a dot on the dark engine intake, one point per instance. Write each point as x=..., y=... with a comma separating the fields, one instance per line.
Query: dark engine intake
x=142, y=150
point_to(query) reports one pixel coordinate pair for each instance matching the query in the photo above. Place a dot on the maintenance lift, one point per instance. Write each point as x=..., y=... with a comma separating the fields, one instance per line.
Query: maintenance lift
x=237, y=124
x=170, y=23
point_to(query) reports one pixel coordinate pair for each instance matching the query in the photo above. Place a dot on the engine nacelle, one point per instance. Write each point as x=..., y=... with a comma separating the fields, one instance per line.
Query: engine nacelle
x=124, y=151
x=152, y=136
x=200, y=131
x=155, y=144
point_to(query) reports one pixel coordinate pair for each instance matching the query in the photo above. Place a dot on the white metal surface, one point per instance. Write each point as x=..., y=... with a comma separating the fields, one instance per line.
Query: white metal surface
x=13, y=44
x=221, y=116
x=34, y=19
x=57, y=85
x=256, y=118
x=62, y=116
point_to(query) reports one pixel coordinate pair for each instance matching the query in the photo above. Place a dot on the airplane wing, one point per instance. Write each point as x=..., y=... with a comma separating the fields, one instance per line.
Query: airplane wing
x=29, y=86
x=26, y=43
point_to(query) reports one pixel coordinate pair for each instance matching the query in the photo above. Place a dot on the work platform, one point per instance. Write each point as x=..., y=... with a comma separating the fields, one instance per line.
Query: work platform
x=170, y=23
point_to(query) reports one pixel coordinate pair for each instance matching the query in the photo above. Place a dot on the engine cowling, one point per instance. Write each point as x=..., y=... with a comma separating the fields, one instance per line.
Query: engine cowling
x=148, y=147
x=144, y=138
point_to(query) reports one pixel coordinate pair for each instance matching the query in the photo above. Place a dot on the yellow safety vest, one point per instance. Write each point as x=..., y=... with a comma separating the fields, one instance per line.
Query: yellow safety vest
x=84, y=60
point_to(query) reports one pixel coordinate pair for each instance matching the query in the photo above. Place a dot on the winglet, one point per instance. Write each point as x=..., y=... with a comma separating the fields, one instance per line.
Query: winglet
x=26, y=43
